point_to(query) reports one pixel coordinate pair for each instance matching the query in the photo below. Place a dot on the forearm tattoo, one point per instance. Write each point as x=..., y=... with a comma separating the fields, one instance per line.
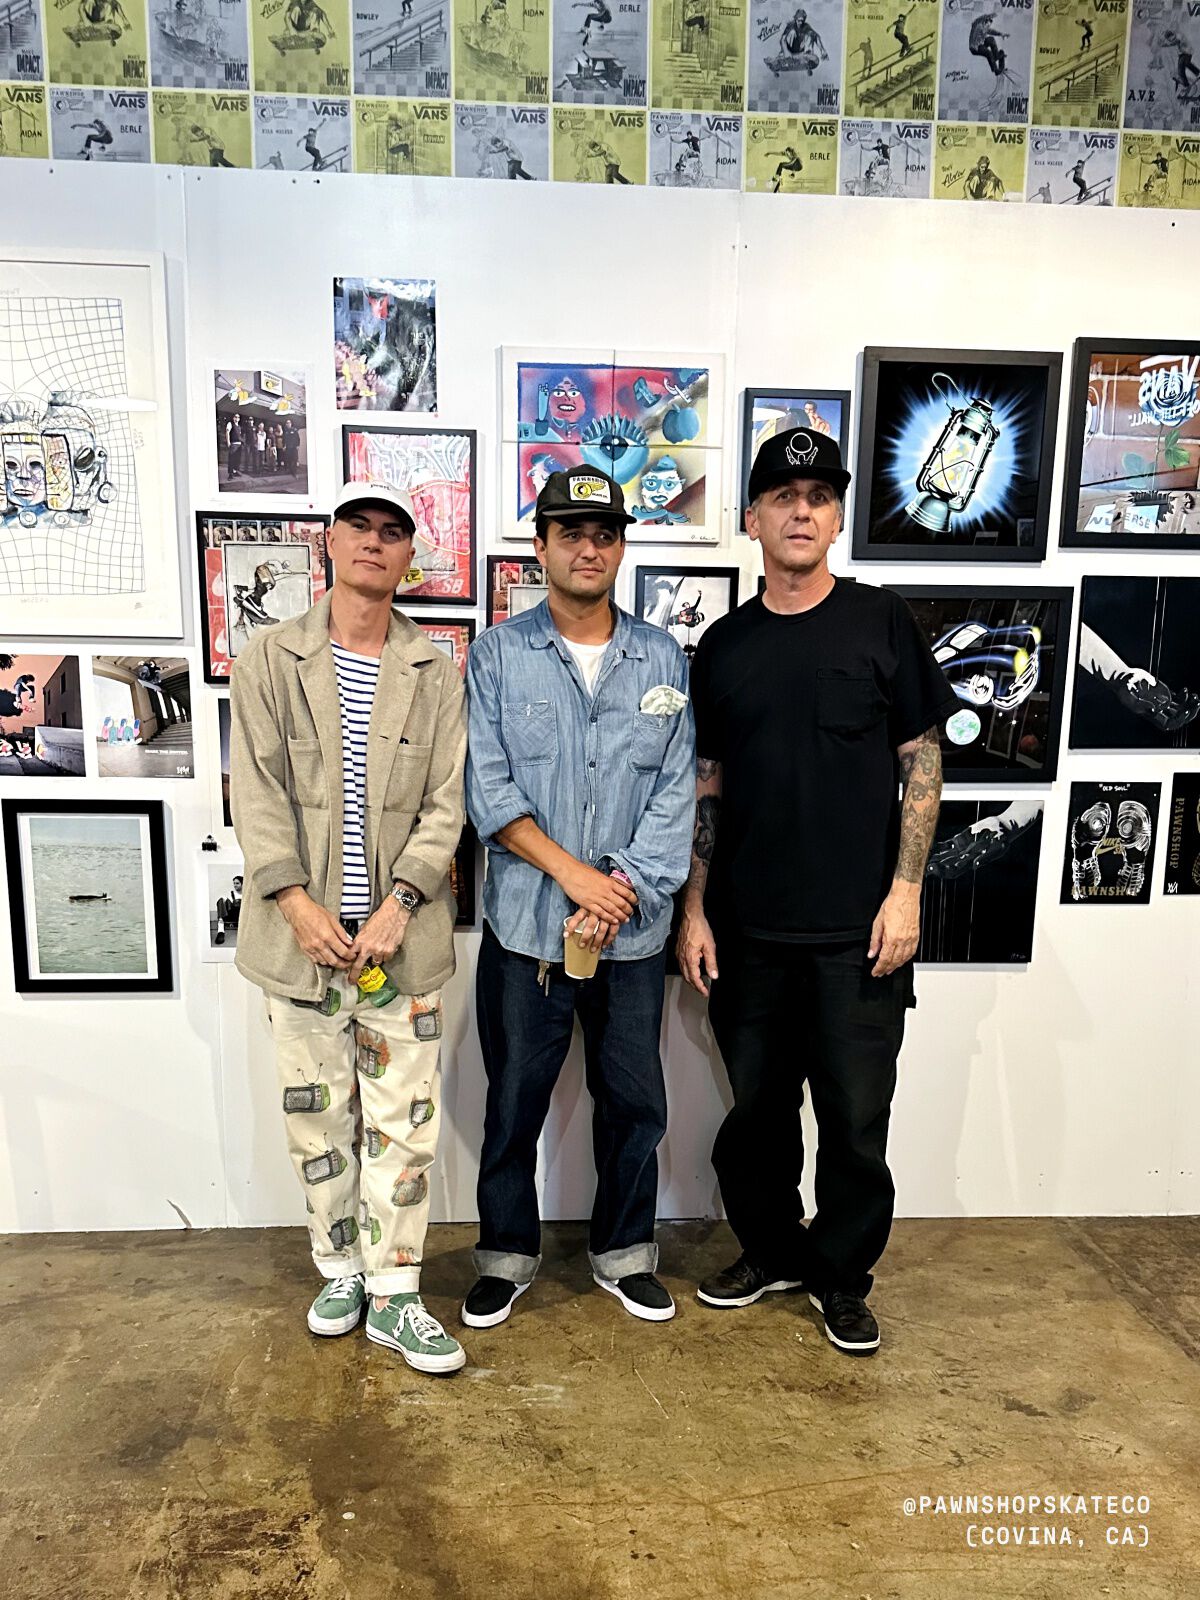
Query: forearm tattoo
x=708, y=813
x=921, y=767
x=706, y=769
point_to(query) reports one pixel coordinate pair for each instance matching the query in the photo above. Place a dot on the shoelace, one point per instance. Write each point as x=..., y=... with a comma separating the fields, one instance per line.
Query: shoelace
x=426, y=1328
x=344, y=1288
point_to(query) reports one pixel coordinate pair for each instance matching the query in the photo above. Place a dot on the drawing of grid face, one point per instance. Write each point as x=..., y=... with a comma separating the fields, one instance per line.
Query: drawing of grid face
x=75, y=347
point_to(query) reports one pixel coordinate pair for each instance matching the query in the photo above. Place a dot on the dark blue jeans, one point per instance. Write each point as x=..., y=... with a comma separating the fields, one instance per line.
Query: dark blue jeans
x=525, y=1033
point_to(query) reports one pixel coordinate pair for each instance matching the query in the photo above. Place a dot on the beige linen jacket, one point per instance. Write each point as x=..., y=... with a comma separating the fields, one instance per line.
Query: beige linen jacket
x=285, y=771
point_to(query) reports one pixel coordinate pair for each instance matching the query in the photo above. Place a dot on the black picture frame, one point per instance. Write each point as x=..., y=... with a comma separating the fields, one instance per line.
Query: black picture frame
x=979, y=898
x=1092, y=398
x=218, y=664
x=27, y=979
x=1039, y=729
x=752, y=396
x=872, y=513
x=464, y=880
x=1139, y=627
x=427, y=622
x=642, y=576
x=526, y=565
x=465, y=594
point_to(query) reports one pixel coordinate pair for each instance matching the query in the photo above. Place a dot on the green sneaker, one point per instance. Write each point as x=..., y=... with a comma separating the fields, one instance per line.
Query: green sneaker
x=339, y=1306
x=402, y=1323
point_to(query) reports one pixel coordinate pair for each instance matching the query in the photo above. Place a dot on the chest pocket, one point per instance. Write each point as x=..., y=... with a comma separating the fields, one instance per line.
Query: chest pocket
x=308, y=772
x=530, y=730
x=847, y=704
x=649, y=743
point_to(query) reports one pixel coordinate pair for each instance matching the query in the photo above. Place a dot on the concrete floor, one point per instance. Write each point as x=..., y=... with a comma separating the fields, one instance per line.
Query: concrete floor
x=170, y=1428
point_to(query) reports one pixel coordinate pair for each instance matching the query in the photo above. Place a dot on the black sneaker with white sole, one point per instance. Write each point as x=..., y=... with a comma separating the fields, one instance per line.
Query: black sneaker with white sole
x=641, y=1294
x=490, y=1301
x=742, y=1284
x=848, y=1322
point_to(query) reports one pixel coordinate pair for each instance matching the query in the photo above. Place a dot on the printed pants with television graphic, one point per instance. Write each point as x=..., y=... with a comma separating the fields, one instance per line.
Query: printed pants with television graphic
x=360, y=1092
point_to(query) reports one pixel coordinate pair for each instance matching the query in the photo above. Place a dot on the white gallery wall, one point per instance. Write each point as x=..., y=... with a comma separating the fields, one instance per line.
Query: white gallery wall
x=1067, y=1087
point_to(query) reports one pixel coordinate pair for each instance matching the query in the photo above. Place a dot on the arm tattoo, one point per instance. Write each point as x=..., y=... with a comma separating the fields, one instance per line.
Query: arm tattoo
x=706, y=769
x=921, y=765
x=708, y=812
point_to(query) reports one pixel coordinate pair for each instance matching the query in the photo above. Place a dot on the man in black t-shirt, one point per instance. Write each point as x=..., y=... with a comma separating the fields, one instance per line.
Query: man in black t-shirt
x=812, y=703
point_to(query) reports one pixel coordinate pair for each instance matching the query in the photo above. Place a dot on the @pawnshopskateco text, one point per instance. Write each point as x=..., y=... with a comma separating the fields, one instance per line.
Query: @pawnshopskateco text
x=1004, y=1521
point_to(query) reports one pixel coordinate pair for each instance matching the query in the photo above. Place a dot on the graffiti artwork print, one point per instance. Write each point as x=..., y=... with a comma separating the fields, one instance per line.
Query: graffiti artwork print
x=1132, y=479
x=437, y=466
x=1003, y=651
x=955, y=454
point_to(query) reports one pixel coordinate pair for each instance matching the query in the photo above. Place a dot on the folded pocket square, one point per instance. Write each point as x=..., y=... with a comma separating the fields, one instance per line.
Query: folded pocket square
x=663, y=701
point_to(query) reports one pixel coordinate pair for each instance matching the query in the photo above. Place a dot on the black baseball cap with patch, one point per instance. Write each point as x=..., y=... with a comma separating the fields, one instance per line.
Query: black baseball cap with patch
x=582, y=492
x=798, y=453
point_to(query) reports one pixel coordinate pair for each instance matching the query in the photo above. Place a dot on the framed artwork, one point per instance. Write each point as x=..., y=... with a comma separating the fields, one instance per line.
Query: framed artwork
x=977, y=904
x=1108, y=854
x=654, y=423
x=453, y=635
x=87, y=497
x=143, y=710
x=514, y=584
x=1132, y=479
x=220, y=874
x=254, y=571
x=260, y=418
x=1137, y=671
x=766, y=412
x=1004, y=651
x=685, y=601
x=955, y=454
x=41, y=717
x=463, y=878
x=87, y=895
x=385, y=342
x=1182, y=848
x=438, y=468
x=224, y=717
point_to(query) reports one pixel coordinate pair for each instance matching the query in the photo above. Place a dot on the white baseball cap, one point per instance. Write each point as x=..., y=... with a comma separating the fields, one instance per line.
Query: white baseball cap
x=364, y=491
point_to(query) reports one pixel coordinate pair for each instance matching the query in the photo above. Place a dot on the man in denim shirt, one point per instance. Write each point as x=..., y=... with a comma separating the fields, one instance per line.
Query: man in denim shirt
x=580, y=780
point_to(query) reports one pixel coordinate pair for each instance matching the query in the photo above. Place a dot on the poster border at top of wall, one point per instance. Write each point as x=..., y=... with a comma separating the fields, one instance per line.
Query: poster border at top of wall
x=1079, y=413
x=156, y=609
x=863, y=546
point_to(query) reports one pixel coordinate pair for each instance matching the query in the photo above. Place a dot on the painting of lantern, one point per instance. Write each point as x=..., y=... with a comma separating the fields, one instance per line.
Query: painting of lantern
x=955, y=455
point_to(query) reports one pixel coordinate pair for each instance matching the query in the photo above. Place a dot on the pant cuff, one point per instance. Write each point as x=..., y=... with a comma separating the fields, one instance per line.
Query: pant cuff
x=504, y=1264
x=613, y=1264
x=400, y=1280
x=338, y=1269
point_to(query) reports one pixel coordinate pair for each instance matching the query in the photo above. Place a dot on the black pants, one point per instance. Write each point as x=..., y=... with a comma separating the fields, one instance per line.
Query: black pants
x=525, y=1034
x=783, y=1013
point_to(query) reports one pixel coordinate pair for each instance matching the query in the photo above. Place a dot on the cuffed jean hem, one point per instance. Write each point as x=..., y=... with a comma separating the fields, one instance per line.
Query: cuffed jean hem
x=503, y=1264
x=343, y=1267
x=400, y=1280
x=614, y=1264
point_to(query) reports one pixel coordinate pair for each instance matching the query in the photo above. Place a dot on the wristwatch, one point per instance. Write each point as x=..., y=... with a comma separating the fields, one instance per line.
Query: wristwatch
x=408, y=899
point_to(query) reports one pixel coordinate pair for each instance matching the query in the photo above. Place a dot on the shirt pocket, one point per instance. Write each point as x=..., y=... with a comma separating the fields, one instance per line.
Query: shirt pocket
x=648, y=745
x=847, y=704
x=530, y=729
x=308, y=772
x=406, y=781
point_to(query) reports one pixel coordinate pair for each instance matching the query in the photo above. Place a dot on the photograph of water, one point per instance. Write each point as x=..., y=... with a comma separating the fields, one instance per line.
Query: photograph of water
x=89, y=910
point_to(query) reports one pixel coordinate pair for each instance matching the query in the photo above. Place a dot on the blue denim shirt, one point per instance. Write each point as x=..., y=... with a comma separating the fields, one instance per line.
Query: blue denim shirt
x=607, y=781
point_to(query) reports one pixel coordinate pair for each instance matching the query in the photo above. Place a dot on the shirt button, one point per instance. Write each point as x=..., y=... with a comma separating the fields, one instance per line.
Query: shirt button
x=591, y=763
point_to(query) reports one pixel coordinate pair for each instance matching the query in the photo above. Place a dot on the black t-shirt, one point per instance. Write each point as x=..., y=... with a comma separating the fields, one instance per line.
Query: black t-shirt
x=804, y=713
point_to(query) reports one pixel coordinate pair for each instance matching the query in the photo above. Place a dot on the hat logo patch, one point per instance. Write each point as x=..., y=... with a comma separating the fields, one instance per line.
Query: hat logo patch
x=801, y=449
x=591, y=489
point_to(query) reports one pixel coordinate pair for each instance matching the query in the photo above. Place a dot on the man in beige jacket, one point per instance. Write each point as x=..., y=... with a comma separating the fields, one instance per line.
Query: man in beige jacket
x=346, y=767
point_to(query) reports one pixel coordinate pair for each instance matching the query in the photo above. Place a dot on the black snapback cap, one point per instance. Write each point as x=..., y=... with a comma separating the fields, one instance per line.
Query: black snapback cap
x=582, y=492
x=798, y=453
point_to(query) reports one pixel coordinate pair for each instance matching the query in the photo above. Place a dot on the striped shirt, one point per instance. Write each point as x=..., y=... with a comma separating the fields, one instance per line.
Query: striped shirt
x=356, y=679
